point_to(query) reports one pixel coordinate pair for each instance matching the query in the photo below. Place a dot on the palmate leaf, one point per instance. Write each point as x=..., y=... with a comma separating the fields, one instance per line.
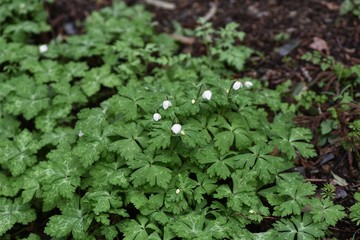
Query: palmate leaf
x=105, y=174
x=195, y=134
x=294, y=140
x=194, y=225
x=75, y=219
x=139, y=229
x=132, y=140
x=12, y=212
x=221, y=164
x=149, y=170
x=44, y=71
x=299, y=228
x=160, y=135
x=28, y=99
x=264, y=164
x=324, y=210
x=355, y=210
x=130, y=101
x=59, y=177
x=96, y=77
x=18, y=154
x=290, y=194
x=243, y=192
x=103, y=201
x=236, y=132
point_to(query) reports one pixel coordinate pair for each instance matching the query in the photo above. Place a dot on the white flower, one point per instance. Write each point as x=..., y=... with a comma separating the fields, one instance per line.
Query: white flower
x=207, y=94
x=156, y=117
x=166, y=104
x=176, y=128
x=237, y=85
x=81, y=134
x=177, y=191
x=193, y=101
x=248, y=84
x=43, y=48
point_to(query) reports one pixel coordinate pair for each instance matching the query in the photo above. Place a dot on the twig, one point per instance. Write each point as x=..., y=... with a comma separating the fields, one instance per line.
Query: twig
x=183, y=39
x=211, y=12
x=161, y=4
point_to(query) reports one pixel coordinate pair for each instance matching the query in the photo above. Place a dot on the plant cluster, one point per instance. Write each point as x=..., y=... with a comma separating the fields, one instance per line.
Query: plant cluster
x=113, y=135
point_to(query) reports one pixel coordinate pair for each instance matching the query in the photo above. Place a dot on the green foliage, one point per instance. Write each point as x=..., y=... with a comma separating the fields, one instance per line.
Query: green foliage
x=355, y=210
x=350, y=6
x=111, y=134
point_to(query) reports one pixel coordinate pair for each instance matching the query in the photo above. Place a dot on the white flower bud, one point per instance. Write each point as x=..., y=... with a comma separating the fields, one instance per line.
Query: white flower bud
x=193, y=101
x=166, y=104
x=182, y=132
x=177, y=191
x=43, y=48
x=251, y=211
x=81, y=134
x=176, y=128
x=248, y=84
x=207, y=94
x=156, y=117
x=237, y=85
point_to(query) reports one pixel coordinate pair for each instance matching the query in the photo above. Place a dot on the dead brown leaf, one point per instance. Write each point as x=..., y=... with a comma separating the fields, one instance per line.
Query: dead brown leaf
x=320, y=45
x=330, y=6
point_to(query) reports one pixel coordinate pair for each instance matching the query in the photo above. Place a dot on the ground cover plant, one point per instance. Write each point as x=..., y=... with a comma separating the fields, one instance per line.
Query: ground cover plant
x=114, y=134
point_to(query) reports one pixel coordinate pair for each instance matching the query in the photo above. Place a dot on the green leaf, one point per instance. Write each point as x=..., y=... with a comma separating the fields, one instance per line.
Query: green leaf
x=265, y=165
x=355, y=210
x=60, y=176
x=96, y=77
x=236, y=57
x=132, y=140
x=195, y=226
x=103, y=201
x=19, y=154
x=12, y=212
x=138, y=229
x=75, y=219
x=221, y=165
x=243, y=192
x=105, y=174
x=44, y=71
x=300, y=228
x=28, y=99
x=324, y=210
x=296, y=139
x=148, y=170
x=160, y=136
x=290, y=195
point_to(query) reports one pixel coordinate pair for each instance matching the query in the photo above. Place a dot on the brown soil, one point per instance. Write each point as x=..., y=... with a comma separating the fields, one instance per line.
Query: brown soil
x=304, y=21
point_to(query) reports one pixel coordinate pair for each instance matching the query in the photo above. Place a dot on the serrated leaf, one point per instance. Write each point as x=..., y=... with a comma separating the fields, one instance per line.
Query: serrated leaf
x=103, y=201
x=18, y=154
x=132, y=140
x=148, y=171
x=28, y=99
x=160, y=136
x=104, y=174
x=12, y=212
x=300, y=226
x=75, y=219
x=325, y=210
x=221, y=165
x=138, y=229
x=60, y=176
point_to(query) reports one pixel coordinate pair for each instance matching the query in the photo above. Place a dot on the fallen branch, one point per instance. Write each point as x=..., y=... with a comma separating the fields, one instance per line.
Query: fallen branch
x=183, y=39
x=211, y=12
x=161, y=4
